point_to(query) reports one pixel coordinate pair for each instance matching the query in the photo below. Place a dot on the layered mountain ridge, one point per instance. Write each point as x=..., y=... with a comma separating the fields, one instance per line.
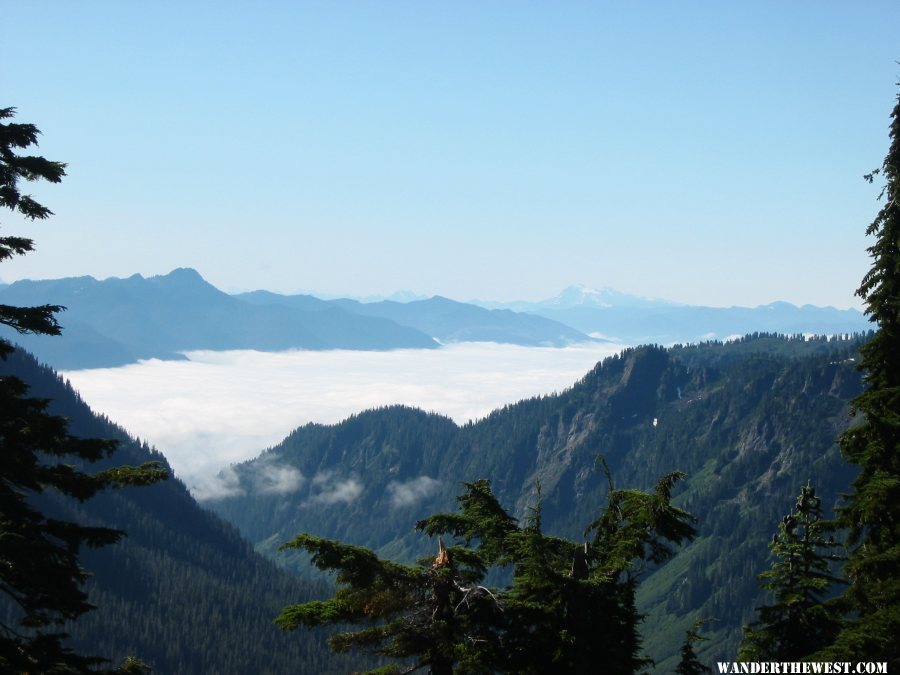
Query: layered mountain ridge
x=118, y=321
x=634, y=319
x=114, y=322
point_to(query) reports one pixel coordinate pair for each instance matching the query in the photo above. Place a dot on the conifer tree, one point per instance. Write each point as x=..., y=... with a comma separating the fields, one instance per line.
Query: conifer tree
x=433, y=615
x=570, y=607
x=689, y=663
x=14, y=168
x=40, y=574
x=871, y=513
x=800, y=621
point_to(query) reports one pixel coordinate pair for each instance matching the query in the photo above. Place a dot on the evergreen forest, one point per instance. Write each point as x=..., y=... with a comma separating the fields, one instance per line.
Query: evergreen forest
x=748, y=422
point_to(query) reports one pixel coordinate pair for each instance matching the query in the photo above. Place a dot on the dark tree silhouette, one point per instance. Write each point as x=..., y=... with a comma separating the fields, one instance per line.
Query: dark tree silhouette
x=13, y=169
x=440, y=615
x=800, y=621
x=871, y=513
x=689, y=663
x=40, y=574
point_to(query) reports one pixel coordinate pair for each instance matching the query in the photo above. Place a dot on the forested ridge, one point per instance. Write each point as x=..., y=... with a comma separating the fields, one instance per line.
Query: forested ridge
x=748, y=421
x=183, y=591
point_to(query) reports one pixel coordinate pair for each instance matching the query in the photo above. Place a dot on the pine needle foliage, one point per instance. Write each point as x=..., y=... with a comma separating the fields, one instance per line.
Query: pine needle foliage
x=429, y=612
x=689, y=663
x=41, y=577
x=871, y=513
x=570, y=606
x=801, y=620
x=13, y=169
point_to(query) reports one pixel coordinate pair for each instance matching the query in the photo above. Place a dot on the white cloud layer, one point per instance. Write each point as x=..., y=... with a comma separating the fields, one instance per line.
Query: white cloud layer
x=225, y=407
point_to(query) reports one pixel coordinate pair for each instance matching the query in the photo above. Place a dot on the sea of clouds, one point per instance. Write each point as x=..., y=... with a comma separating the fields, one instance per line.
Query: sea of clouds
x=219, y=408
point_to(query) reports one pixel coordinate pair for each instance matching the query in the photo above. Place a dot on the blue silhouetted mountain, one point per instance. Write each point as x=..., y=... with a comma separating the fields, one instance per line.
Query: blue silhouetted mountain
x=304, y=302
x=118, y=321
x=451, y=321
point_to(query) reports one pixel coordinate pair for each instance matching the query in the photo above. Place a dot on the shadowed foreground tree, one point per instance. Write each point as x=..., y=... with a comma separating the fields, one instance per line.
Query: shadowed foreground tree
x=871, y=513
x=40, y=574
x=15, y=168
x=570, y=607
x=689, y=663
x=801, y=620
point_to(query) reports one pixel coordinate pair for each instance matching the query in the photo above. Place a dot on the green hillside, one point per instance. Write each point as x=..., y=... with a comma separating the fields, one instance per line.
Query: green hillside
x=183, y=591
x=749, y=421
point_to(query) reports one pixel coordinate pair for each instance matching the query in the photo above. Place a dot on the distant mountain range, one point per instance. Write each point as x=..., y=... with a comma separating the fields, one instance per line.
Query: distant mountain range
x=636, y=320
x=444, y=319
x=119, y=321
x=580, y=295
x=682, y=323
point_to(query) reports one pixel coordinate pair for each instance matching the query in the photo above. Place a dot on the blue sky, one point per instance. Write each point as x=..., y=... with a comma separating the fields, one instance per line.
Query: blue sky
x=705, y=152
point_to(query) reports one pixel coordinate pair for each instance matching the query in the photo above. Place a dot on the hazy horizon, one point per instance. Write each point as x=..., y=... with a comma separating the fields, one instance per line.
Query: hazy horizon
x=711, y=151
x=407, y=295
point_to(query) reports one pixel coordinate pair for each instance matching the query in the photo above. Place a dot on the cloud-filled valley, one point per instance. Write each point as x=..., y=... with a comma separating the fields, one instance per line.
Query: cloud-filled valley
x=219, y=408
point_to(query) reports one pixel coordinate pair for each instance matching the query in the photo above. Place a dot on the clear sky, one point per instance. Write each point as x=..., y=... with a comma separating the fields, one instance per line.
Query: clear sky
x=705, y=152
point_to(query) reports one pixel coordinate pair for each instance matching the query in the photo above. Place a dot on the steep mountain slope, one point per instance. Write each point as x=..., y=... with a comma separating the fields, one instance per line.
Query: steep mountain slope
x=117, y=321
x=183, y=591
x=749, y=422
